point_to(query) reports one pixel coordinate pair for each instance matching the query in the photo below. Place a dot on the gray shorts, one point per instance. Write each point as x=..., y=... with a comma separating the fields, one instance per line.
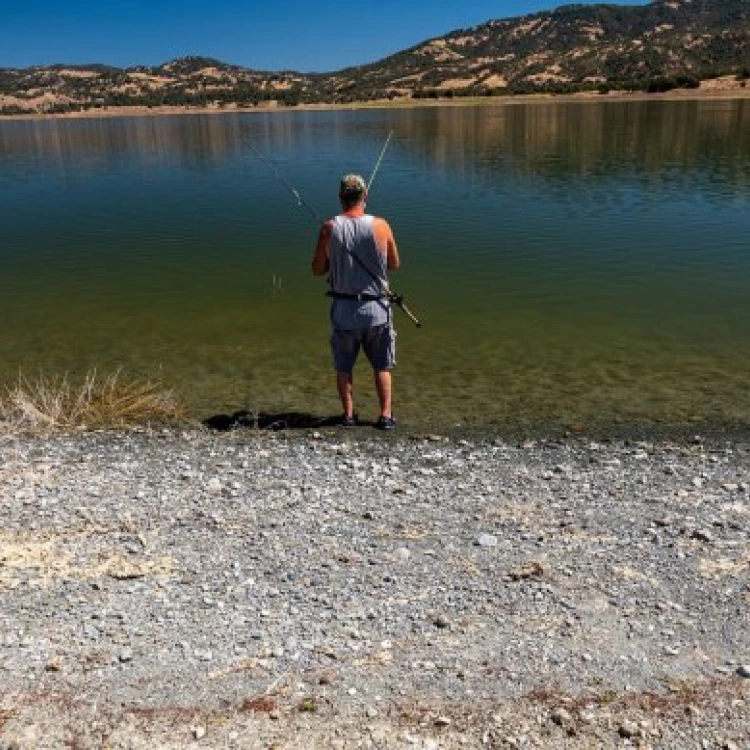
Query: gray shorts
x=378, y=342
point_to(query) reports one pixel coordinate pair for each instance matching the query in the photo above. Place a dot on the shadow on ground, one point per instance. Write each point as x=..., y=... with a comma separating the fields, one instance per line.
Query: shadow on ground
x=288, y=420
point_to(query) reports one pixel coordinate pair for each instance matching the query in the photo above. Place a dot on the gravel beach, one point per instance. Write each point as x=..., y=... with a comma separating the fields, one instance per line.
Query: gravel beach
x=338, y=590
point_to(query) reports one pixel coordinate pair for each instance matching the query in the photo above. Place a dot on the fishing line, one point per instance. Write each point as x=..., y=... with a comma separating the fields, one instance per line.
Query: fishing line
x=300, y=200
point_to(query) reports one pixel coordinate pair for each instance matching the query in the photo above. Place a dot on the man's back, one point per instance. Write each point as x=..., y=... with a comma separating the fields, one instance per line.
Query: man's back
x=357, y=267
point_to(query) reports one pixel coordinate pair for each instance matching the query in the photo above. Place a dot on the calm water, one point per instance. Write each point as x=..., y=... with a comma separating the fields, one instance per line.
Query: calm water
x=578, y=263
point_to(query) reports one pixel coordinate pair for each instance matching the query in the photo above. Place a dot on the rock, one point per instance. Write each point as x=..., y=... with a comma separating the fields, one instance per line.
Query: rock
x=629, y=729
x=441, y=621
x=702, y=535
x=125, y=655
x=442, y=721
x=214, y=486
x=744, y=671
x=402, y=554
x=530, y=569
x=199, y=733
x=561, y=717
x=486, y=540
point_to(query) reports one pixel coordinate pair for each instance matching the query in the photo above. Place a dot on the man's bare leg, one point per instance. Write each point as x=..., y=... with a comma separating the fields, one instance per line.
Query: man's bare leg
x=383, y=386
x=345, y=385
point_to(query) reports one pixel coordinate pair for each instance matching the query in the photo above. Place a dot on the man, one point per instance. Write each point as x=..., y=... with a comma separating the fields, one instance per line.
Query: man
x=356, y=250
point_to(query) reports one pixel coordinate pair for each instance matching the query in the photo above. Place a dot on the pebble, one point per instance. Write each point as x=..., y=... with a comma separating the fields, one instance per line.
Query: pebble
x=629, y=729
x=199, y=733
x=441, y=621
x=486, y=540
x=301, y=567
x=702, y=535
x=561, y=717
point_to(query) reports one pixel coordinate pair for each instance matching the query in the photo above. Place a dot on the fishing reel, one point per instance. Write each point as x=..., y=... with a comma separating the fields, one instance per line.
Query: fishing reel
x=398, y=300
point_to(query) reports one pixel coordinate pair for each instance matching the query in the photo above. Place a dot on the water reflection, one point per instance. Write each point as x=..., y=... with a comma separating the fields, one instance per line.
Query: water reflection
x=588, y=140
x=551, y=140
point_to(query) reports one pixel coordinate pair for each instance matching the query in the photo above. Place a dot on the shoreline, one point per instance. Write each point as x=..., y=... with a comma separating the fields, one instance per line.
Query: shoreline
x=718, y=94
x=295, y=427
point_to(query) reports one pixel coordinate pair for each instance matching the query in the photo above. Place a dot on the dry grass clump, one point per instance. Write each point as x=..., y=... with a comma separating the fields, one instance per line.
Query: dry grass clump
x=49, y=402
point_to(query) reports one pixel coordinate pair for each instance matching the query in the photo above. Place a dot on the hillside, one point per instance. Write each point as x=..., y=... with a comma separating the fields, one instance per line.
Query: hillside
x=653, y=47
x=569, y=48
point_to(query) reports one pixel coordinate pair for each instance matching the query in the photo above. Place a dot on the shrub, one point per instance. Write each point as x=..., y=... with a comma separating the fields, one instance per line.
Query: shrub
x=95, y=401
x=687, y=82
x=660, y=85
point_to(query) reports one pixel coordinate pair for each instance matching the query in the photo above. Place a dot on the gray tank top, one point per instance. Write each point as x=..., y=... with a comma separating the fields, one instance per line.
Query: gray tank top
x=346, y=276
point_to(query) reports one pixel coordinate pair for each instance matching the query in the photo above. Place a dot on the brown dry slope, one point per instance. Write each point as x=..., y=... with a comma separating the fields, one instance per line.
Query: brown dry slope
x=575, y=47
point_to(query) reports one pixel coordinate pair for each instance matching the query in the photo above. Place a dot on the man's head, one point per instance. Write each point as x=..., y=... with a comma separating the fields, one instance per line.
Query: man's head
x=353, y=191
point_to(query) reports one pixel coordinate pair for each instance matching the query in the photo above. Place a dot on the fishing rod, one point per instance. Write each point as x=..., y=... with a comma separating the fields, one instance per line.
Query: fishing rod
x=380, y=159
x=393, y=298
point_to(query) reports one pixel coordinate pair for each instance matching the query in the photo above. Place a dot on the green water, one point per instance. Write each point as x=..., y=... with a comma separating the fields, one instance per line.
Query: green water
x=578, y=263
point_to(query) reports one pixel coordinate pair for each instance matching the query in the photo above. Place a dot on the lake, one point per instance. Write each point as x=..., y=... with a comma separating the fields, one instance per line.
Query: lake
x=575, y=264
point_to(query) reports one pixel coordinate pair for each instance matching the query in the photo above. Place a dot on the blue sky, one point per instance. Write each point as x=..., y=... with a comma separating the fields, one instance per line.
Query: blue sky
x=304, y=35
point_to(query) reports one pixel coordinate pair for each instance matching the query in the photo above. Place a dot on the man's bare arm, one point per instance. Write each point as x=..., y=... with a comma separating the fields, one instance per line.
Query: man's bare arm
x=321, y=261
x=384, y=238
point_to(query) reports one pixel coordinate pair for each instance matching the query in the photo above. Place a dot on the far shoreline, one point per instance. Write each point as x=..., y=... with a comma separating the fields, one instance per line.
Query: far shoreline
x=682, y=95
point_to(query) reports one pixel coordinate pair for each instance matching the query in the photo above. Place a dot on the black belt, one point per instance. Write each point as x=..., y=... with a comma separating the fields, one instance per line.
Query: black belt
x=357, y=297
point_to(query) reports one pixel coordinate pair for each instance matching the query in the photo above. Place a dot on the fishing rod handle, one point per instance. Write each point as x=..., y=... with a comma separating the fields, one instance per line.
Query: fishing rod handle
x=410, y=315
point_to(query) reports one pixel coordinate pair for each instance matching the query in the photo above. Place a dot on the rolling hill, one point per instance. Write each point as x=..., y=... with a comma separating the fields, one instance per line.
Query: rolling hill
x=662, y=45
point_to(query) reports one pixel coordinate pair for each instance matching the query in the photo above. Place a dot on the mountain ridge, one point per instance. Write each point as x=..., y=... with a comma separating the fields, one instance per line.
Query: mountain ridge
x=574, y=47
